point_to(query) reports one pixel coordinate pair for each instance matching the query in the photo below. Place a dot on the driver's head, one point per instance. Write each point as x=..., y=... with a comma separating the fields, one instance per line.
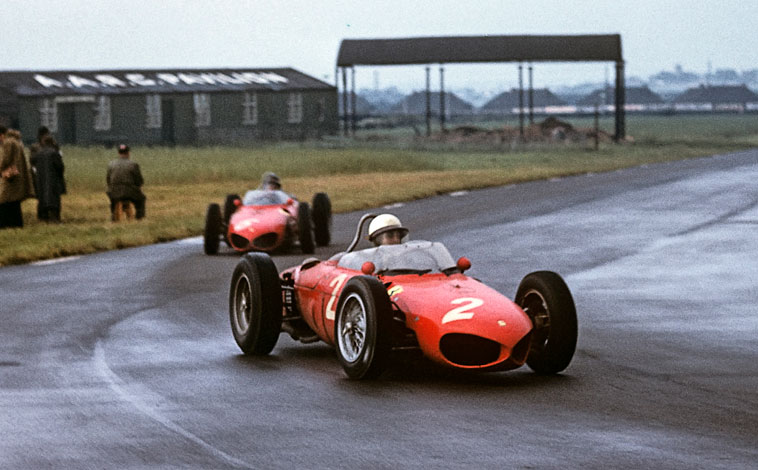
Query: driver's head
x=270, y=181
x=386, y=229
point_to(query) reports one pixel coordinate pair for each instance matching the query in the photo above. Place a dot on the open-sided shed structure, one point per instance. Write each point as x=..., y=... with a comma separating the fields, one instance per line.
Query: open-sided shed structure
x=473, y=49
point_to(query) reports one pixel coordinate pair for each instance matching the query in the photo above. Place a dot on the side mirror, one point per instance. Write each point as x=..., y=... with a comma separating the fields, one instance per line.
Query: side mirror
x=290, y=201
x=237, y=202
x=368, y=268
x=463, y=264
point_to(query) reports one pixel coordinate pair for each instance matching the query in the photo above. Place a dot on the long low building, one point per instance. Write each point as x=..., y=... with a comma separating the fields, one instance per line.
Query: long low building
x=169, y=107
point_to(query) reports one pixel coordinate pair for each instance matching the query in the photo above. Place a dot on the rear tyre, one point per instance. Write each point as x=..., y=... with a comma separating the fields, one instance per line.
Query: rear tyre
x=255, y=304
x=305, y=228
x=545, y=298
x=212, y=231
x=229, y=209
x=362, y=328
x=322, y=219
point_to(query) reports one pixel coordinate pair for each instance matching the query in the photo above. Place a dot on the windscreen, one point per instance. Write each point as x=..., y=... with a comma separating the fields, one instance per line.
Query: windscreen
x=262, y=197
x=416, y=256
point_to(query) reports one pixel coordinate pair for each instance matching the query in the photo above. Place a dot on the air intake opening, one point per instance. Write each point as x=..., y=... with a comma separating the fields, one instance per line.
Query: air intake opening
x=469, y=350
x=265, y=241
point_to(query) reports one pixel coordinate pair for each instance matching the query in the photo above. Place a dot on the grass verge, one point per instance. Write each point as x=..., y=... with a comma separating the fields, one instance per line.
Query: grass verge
x=181, y=182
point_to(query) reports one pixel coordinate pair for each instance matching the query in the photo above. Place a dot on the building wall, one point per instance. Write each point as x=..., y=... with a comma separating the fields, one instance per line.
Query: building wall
x=129, y=117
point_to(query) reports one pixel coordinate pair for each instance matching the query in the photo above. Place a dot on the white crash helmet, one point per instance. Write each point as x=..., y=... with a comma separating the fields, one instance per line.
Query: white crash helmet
x=384, y=223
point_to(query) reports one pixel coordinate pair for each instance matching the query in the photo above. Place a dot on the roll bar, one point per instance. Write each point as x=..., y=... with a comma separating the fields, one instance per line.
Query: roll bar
x=359, y=230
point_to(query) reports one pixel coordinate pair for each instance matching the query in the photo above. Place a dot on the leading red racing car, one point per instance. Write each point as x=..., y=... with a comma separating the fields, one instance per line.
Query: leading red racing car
x=369, y=303
x=268, y=220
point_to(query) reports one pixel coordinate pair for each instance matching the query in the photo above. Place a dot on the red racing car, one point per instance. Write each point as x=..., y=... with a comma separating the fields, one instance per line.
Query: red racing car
x=371, y=303
x=268, y=220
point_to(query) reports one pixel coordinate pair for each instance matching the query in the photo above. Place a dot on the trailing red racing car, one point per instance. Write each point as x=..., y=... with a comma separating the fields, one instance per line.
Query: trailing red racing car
x=370, y=303
x=268, y=220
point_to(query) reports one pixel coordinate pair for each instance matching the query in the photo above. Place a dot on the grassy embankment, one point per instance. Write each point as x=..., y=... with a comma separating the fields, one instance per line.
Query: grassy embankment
x=180, y=182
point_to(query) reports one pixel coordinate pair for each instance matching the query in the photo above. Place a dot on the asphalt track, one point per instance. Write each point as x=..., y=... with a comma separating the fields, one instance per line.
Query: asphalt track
x=125, y=359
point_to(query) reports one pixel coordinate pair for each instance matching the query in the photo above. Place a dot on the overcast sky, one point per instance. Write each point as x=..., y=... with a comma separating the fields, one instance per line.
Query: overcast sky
x=306, y=34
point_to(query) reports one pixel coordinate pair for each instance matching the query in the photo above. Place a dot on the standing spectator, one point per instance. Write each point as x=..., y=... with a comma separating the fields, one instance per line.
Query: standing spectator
x=48, y=174
x=15, y=179
x=125, y=182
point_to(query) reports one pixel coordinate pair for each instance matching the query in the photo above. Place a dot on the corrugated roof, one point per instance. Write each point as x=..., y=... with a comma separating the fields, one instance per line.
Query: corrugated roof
x=717, y=94
x=462, y=49
x=103, y=82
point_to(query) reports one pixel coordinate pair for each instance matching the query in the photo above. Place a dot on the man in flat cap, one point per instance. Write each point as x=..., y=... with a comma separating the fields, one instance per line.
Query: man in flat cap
x=125, y=182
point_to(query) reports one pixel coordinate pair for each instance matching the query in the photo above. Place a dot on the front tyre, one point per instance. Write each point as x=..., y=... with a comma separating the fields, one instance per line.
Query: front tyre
x=362, y=328
x=545, y=298
x=255, y=304
x=305, y=228
x=229, y=208
x=212, y=230
x=322, y=218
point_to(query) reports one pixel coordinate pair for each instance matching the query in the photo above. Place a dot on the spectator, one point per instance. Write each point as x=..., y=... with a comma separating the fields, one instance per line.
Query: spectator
x=125, y=181
x=48, y=174
x=15, y=178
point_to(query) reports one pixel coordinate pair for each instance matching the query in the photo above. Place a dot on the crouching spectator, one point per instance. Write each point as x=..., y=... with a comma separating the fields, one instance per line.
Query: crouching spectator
x=125, y=182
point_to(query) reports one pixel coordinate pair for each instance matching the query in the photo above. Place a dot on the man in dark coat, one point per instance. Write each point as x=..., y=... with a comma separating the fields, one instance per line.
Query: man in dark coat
x=48, y=165
x=125, y=182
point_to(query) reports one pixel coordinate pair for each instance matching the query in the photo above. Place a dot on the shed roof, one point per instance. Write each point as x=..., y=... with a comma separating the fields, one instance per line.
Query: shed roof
x=717, y=94
x=103, y=82
x=510, y=99
x=462, y=49
x=633, y=95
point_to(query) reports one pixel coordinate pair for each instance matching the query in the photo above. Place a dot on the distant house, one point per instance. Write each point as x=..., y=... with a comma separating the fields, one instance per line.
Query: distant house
x=415, y=104
x=737, y=98
x=635, y=99
x=187, y=107
x=544, y=102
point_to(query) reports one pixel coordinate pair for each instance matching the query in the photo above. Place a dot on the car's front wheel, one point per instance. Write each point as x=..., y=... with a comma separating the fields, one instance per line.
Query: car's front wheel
x=362, y=328
x=255, y=304
x=212, y=229
x=546, y=299
x=305, y=228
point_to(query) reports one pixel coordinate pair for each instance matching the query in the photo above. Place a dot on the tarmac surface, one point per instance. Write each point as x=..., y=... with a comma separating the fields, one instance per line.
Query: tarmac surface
x=125, y=359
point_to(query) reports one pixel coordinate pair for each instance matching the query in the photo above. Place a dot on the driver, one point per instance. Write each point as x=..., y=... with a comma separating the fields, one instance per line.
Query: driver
x=386, y=229
x=270, y=181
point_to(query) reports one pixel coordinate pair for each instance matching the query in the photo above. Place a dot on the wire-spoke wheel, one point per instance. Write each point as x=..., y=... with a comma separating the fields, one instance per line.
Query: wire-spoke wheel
x=362, y=328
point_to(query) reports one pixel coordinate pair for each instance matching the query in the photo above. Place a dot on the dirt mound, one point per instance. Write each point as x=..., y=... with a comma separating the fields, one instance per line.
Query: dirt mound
x=551, y=129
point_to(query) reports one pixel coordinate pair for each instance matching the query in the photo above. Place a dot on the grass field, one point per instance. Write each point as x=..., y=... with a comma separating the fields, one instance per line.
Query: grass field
x=356, y=173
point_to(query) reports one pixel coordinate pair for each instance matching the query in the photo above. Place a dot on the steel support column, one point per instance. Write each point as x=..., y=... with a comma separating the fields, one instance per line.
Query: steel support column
x=353, y=105
x=345, y=130
x=620, y=102
x=531, y=97
x=428, y=102
x=521, y=100
x=442, y=98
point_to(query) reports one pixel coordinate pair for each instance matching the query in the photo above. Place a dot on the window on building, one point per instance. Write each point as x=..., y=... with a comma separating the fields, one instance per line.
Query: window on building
x=103, y=113
x=153, y=108
x=202, y=109
x=295, y=108
x=250, y=109
x=48, y=114
x=322, y=110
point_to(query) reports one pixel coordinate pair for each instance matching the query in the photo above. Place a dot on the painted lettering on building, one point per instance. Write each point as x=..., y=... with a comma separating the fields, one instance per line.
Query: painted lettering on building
x=141, y=80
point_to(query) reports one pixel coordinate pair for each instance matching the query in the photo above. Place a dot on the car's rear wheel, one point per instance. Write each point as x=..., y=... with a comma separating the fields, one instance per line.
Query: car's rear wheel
x=305, y=228
x=255, y=304
x=546, y=299
x=362, y=328
x=229, y=208
x=322, y=218
x=212, y=231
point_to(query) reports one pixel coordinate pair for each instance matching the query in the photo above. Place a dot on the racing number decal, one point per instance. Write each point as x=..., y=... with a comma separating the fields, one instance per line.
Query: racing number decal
x=336, y=283
x=461, y=313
